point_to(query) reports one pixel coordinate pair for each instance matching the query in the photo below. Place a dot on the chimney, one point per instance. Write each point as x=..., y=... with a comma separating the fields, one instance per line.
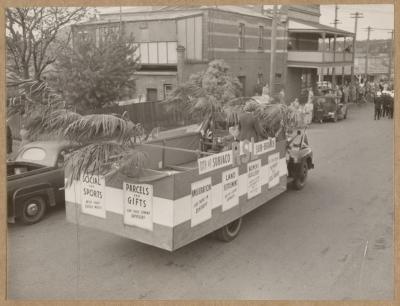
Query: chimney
x=180, y=50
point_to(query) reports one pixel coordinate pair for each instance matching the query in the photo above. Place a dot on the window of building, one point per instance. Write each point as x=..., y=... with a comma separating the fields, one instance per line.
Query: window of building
x=151, y=94
x=105, y=32
x=167, y=90
x=83, y=36
x=241, y=35
x=260, y=37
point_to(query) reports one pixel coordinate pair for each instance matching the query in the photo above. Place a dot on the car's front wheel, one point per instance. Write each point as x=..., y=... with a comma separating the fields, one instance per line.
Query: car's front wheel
x=301, y=176
x=33, y=210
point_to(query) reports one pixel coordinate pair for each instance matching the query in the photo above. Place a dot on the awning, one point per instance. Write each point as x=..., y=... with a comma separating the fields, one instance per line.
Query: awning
x=301, y=26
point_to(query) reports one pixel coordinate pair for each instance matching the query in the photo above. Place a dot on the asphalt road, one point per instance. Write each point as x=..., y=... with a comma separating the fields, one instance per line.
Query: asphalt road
x=332, y=240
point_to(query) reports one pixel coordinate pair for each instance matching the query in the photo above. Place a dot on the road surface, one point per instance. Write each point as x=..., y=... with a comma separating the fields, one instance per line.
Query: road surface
x=332, y=240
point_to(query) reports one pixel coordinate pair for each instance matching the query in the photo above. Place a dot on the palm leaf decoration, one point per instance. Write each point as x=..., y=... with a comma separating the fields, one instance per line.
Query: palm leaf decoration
x=105, y=142
x=50, y=124
x=205, y=93
x=99, y=127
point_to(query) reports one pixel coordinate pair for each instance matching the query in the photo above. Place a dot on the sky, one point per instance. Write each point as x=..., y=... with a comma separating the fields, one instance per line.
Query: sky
x=379, y=16
x=375, y=15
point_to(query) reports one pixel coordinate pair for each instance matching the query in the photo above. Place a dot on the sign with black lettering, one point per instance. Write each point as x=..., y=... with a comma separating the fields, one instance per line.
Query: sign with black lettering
x=138, y=205
x=215, y=161
x=230, y=188
x=253, y=178
x=201, y=201
x=93, y=195
x=273, y=170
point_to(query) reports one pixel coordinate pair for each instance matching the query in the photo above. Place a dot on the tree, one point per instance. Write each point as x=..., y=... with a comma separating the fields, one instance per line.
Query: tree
x=206, y=92
x=93, y=75
x=33, y=37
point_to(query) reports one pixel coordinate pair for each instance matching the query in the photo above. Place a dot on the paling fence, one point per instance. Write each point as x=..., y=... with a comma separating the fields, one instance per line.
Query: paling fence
x=149, y=114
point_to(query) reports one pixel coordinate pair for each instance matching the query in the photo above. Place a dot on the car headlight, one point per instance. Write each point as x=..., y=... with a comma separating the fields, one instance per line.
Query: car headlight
x=331, y=113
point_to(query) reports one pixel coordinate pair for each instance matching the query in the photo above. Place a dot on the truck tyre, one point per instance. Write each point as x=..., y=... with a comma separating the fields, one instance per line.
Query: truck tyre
x=33, y=210
x=229, y=231
x=300, y=176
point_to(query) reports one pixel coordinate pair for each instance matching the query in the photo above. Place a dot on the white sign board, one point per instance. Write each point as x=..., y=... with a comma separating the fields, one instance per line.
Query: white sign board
x=138, y=205
x=273, y=170
x=230, y=188
x=93, y=195
x=215, y=161
x=253, y=178
x=264, y=146
x=201, y=201
x=260, y=147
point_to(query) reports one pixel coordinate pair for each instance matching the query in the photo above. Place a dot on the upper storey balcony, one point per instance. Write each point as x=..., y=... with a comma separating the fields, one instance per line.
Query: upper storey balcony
x=313, y=45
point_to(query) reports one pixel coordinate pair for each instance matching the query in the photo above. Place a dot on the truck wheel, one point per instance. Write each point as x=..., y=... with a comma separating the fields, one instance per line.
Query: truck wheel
x=33, y=210
x=229, y=231
x=301, y=176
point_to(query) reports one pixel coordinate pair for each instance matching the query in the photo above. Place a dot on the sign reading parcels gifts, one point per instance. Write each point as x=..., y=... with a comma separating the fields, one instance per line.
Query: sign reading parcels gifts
x=138, y=205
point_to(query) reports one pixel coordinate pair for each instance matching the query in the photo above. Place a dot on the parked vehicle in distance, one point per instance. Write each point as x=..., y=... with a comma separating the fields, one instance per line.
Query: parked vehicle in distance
x=35, y=180
x=329, y=108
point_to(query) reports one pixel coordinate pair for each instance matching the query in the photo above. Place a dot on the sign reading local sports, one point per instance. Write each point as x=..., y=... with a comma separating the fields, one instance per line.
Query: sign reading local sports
x=201, y=201
x=253, y=178
x=215, y=161
x=138, y=205
x=273, y=170
x=230, y=188
x=92, y=192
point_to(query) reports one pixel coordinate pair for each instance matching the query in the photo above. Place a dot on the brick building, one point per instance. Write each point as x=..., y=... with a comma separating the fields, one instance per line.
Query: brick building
x=311, y=54
x=174, y=42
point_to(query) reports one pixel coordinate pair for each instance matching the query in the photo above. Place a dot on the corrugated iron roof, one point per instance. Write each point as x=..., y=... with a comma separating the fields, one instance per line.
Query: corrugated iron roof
x=168, y=13
x=143, y=16
x=297, y=25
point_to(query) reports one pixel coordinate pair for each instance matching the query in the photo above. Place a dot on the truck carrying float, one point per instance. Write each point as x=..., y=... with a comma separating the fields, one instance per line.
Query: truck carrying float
x=186, y=193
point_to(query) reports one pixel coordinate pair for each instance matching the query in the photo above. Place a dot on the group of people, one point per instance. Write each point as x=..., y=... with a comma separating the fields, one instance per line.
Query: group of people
x=384, y=104
x=303, y=109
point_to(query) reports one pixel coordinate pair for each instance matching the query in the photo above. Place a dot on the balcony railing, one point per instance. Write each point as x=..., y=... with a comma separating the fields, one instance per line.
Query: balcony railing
x=159, y=52
x=318, y=57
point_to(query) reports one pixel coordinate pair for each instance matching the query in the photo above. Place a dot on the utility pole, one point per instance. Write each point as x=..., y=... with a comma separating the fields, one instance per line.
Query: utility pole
x=356, y=16
x=273, y=49
x=391, y=54
x=367, y=53
x=335, y=22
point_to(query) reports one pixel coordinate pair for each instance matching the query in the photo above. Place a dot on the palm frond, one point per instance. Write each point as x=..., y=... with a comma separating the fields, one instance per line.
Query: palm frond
x=97, y=127
x=133, y=163
x=94, y=159
x=102, y=158
x=49, y=124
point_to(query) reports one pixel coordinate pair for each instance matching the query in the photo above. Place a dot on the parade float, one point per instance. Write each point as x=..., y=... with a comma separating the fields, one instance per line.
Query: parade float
x=186, y=191
x=177, y=186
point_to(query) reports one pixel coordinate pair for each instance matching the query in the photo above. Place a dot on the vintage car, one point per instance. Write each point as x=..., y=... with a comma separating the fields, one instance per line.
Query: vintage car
x=35, y=180
x=328, y=107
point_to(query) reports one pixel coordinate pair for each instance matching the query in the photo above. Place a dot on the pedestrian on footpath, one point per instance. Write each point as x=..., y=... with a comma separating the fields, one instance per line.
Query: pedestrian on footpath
x=378, y=105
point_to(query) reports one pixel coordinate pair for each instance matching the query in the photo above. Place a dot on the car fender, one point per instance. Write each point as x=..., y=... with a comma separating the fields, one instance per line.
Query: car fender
x=45, y=190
